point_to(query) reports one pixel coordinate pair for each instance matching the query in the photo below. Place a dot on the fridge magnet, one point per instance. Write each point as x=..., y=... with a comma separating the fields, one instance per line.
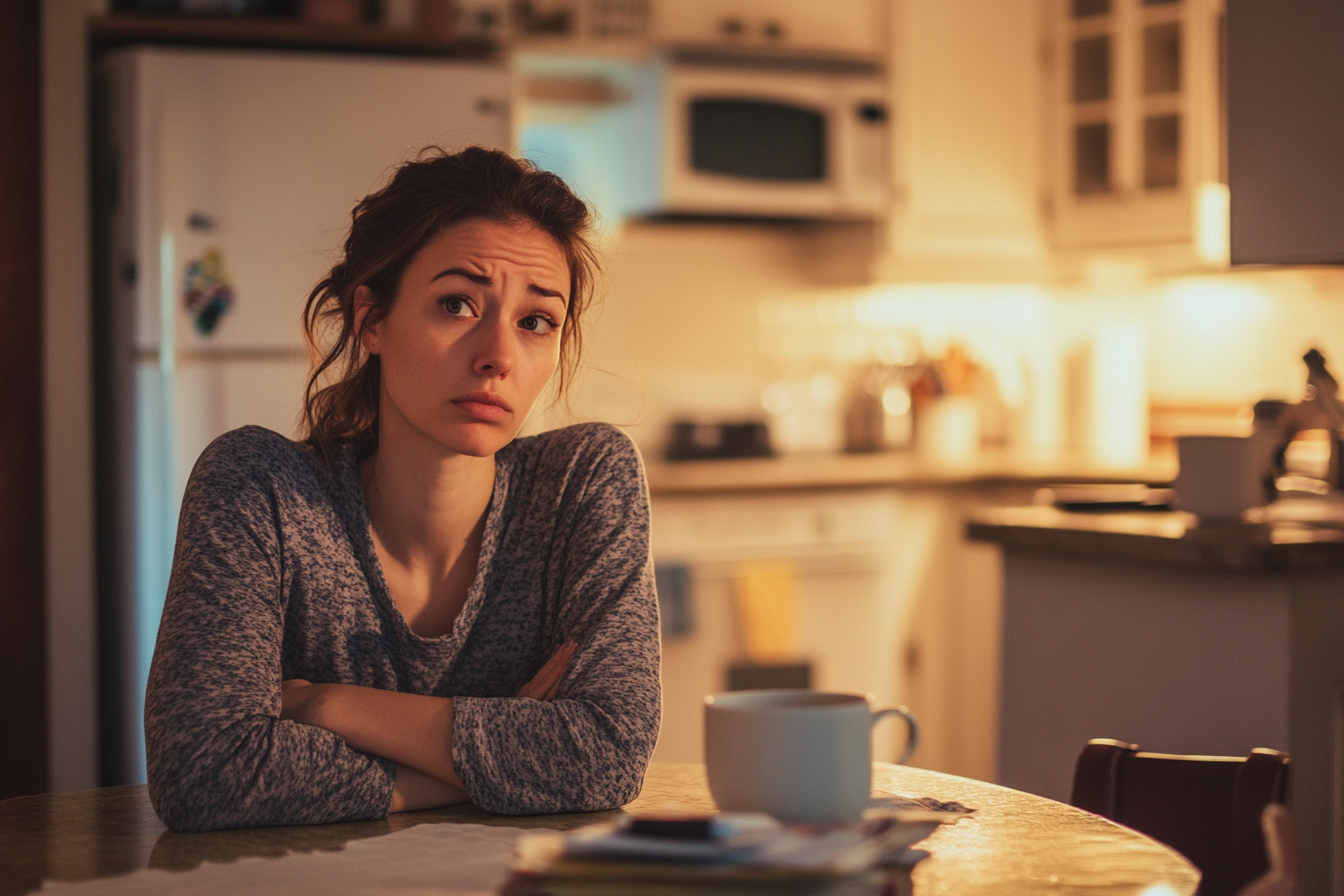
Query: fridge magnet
x=207, y=293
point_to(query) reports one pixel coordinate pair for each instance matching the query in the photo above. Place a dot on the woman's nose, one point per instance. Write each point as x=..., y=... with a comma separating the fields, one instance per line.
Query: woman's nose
x=494, y=353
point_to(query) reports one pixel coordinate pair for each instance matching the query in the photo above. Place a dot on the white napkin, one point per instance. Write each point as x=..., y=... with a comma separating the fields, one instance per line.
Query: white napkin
x=441, y=859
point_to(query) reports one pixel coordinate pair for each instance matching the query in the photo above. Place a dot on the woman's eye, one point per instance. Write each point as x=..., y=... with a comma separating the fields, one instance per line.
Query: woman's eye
x=537, y=324
x=456, y=306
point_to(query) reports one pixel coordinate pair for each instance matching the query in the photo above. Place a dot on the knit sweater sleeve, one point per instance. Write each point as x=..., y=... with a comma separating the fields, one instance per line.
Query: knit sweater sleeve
x=587, y=749
x=219, y=754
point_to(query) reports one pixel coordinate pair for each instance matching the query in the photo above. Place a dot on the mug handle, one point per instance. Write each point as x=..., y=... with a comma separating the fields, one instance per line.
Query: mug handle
x=912, y=726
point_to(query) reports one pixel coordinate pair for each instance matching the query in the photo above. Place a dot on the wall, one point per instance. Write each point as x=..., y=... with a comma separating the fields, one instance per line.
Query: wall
x=23, y=736
x=677, y=331
x=68, y=424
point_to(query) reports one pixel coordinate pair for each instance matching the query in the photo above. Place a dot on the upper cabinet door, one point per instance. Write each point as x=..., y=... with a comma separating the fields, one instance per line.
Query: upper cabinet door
x=1136, y=145
x=835, y=27
x=1285, y=130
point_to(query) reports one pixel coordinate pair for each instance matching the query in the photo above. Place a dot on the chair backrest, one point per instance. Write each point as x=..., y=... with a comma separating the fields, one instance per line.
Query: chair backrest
x=1205, y=807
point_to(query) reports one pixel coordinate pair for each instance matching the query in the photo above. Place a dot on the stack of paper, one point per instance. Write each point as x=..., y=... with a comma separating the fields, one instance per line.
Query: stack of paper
x=738, y=853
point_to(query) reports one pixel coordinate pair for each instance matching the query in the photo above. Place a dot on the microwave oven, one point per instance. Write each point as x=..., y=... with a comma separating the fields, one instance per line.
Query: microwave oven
x=731, y=138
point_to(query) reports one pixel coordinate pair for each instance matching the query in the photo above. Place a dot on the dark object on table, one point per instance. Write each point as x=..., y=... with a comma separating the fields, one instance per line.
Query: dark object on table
x=673, y=827
x=1206, y=807
x=1104, y=497
x=706, y=441
x=278, y=8
x=747, y=676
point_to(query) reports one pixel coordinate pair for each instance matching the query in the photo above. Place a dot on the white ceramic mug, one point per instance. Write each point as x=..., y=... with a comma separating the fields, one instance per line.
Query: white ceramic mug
x=798, y=755
x=1221, y=476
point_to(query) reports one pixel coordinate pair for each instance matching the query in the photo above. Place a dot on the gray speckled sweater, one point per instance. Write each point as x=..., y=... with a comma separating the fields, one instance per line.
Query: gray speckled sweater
x=275, y=577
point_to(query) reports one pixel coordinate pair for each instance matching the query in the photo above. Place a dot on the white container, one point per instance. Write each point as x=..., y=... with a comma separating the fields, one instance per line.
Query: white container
x=1220, y=476
x=947, y=430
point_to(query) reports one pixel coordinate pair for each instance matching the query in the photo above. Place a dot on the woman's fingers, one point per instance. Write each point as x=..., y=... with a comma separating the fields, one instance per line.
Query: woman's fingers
x=544, y=684
x=548, y=678
x=294, y=694
x=557, y=672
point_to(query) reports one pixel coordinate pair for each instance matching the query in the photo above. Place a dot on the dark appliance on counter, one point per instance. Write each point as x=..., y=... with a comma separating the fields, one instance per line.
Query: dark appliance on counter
x=1281, y=422
x=688, y=440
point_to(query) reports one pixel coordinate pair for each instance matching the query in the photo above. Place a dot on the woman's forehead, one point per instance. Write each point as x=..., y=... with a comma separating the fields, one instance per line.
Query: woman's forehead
x=519, y=245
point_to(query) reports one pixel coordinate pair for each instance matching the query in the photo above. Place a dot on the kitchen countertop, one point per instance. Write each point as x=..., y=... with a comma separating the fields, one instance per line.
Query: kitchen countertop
x=1294, y=535
x=907, y=468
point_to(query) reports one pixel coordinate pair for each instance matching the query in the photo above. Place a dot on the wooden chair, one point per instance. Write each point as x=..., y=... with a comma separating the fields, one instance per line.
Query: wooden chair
x=1205, y=807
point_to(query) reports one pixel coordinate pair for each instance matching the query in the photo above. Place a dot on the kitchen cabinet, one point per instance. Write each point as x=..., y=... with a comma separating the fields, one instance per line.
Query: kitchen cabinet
x=839, y=27
x=1135, y=144
x=965, y=88
x=600, y=27
x=1285, y=134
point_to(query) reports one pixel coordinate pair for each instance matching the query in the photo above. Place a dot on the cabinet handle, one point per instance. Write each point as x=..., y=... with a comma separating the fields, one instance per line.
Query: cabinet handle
x=872, y=113
x=773, y=31
x=731, y=27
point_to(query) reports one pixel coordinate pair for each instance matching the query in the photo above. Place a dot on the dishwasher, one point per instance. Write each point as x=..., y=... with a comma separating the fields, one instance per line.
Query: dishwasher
x=848, y=622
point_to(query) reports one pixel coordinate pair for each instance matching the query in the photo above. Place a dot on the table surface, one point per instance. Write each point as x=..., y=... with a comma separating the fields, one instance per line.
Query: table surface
x=1014, y=842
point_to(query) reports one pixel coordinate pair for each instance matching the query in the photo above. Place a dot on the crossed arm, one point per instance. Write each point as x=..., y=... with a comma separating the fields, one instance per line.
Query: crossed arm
x=412, y=730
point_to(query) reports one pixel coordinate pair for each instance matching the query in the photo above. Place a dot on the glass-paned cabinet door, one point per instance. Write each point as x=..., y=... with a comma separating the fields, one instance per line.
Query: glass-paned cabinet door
x=1136, y=106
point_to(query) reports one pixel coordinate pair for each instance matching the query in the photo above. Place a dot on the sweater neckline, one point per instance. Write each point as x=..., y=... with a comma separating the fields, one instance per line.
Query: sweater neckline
x=354, y=511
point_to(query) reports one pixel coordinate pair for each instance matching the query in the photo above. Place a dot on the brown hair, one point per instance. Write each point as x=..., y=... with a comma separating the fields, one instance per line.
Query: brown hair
x=437, y=190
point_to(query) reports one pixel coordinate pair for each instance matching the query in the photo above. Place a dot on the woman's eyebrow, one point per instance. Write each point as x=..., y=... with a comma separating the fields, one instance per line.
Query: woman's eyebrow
x=478, y=279
x=483, y=280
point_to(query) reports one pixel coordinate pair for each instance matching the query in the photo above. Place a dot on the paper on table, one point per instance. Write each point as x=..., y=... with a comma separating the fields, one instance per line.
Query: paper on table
x=439, y=859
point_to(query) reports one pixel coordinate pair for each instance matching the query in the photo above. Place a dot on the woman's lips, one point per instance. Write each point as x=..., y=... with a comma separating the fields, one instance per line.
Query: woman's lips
x=483, y=405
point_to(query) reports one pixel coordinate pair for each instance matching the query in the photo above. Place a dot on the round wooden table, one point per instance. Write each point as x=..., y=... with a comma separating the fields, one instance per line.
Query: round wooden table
x=1015, y=843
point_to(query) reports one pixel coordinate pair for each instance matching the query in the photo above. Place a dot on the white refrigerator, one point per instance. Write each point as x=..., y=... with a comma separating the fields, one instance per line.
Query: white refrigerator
x=225, y=181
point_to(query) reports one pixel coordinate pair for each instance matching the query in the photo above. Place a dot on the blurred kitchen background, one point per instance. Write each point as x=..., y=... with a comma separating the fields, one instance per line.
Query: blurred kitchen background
x=870, y=264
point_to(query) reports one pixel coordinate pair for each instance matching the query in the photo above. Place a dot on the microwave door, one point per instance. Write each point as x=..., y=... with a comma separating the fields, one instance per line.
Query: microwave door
x=752, y=143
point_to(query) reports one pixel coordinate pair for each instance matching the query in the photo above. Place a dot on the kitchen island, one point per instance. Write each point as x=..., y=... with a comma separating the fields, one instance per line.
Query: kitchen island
x=1179, y=637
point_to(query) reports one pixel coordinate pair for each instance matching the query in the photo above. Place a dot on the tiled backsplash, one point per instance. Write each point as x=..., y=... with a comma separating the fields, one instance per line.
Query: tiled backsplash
x=701, y=320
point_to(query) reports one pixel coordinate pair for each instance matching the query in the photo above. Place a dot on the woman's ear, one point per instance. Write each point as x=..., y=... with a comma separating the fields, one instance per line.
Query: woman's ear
x=370, y=336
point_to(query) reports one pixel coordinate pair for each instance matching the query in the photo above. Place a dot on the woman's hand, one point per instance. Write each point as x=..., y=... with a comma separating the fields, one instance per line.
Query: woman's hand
x=544, y=683
x=300, y=701
x=414, y=789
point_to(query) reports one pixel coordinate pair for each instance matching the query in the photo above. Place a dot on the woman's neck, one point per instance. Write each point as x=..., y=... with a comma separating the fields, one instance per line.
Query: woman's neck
x=426, y=506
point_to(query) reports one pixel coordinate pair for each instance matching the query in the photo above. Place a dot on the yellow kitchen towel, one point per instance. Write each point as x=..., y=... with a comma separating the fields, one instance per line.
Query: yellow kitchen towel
x=766, y=594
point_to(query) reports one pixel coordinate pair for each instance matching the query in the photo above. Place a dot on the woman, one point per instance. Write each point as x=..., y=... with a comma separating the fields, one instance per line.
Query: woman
x=411, y=607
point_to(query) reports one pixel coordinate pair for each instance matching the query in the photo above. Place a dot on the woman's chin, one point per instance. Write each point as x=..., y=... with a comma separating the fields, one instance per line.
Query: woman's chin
x=477, y=440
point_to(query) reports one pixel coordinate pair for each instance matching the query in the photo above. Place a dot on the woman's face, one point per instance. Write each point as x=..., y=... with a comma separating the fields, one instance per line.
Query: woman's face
x=472, y=336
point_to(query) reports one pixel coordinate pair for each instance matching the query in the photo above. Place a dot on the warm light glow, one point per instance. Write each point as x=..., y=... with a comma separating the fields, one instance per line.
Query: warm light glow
x=1212, y=216
x=1209, y=308
x=1119, y=409
x=952, y=307
x=1159, y=890
x=1223, y=340
x=896, y=400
